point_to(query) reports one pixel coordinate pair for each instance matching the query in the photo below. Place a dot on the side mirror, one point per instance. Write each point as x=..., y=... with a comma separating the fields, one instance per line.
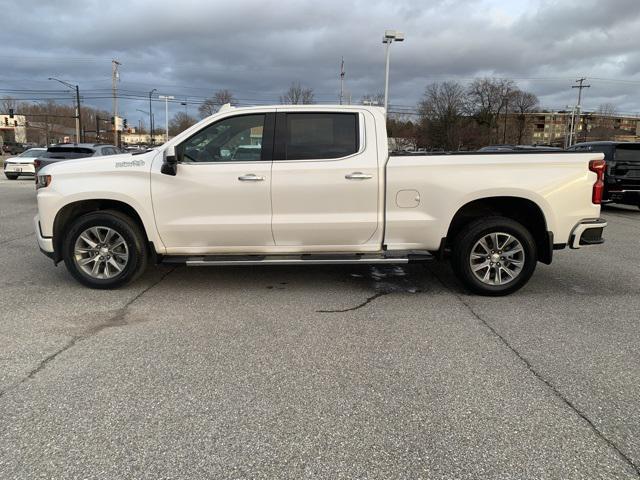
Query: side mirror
x=170, y=162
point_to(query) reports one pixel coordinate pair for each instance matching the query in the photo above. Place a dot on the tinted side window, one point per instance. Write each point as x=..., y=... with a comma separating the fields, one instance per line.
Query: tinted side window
x=628, y=153
x=320, y=135
x=232, y=139
x=68, y=152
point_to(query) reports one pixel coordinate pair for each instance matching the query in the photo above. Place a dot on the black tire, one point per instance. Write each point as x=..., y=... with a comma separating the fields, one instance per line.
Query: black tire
x=473, y=233
x=11, y=176
x=122, y=224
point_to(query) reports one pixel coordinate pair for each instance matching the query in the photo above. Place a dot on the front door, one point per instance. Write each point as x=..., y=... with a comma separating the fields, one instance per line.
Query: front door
x=220, y=198
x=324, y=181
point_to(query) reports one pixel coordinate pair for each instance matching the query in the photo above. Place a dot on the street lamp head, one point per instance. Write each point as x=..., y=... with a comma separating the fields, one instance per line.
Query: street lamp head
x=392, y=36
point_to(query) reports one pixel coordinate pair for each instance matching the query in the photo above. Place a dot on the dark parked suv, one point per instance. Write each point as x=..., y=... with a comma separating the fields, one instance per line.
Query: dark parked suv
x=69, y=151
x=622, y=175
x=11, y=148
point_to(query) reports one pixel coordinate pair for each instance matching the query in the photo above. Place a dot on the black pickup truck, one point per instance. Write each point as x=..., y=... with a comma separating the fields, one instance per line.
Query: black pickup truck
x=622, y=174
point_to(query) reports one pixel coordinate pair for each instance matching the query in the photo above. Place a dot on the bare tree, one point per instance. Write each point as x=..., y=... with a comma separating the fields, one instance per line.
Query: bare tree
x=487, y=97
x=212, y=105
x=441, y=111
x=6, y=104
x=297, y=95
x=180, y=122
x=605, y=116
x=522, y=103
x=373, y=99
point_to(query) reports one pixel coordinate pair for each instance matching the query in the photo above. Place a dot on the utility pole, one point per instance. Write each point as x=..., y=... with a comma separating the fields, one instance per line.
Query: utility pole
x=115, y=76
x=506, y=111
x=166, y=99
x=580, y=86
x=151, y=117
x=79, y=115
x=97, y=129
x=342, y=81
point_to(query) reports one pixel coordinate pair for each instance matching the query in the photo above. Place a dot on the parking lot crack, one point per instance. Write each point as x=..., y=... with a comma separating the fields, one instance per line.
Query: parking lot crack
x=117, y=319
x=360, y=305
x=556, y=392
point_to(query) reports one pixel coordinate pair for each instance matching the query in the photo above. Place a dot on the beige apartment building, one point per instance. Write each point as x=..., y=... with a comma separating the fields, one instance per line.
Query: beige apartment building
x=552, y=128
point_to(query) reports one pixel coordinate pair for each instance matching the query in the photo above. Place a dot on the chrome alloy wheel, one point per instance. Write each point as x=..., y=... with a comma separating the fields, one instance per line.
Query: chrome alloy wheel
x=101, y=252
x=497, y=258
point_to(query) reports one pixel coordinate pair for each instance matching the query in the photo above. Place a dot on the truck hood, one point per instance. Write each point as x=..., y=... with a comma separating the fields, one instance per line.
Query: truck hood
x=107, y=163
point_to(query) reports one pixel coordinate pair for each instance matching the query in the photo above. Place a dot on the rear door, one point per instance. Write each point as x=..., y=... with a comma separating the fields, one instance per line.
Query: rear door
x=324, y=180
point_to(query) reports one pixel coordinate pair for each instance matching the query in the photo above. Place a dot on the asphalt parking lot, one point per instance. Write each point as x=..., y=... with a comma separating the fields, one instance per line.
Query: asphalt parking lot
x=332, y=372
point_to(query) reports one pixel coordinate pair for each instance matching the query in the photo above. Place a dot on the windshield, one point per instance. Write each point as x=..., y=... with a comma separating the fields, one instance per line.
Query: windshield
x=32, y=153
x=67, y=152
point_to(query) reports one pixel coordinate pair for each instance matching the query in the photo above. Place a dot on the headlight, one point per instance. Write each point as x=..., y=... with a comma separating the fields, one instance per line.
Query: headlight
x=43, y=181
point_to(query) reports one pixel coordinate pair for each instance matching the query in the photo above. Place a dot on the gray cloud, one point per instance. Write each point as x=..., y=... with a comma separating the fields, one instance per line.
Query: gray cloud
x=256, y=48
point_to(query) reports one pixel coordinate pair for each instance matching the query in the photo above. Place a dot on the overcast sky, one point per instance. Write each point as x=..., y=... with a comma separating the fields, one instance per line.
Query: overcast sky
x=191, y=48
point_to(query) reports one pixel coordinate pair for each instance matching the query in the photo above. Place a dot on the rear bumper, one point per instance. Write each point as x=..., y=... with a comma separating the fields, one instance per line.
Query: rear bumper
x=20, y=169
x=45, y=243
x=588, y=232
x=626, y=196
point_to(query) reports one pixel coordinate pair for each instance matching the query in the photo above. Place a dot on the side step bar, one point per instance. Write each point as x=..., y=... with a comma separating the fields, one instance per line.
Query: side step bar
x=302, y=259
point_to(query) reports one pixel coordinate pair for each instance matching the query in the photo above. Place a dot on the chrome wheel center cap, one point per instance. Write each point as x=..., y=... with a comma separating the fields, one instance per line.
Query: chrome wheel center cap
x=104, y=250
x=495, y=257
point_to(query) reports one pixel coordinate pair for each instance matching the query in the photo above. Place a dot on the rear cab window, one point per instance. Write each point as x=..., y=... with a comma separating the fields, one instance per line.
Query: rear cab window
x=317, y=135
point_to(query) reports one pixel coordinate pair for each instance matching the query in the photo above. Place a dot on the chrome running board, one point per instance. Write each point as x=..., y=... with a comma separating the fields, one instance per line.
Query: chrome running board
x=301, y=259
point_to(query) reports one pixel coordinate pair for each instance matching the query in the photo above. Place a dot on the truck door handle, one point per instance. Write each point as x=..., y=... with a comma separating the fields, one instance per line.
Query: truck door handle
x=250, y=177
x=358, y=176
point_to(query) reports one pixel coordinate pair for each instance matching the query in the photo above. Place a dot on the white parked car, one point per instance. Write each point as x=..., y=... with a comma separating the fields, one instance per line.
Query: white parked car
x=22, y=164
x=320, y=188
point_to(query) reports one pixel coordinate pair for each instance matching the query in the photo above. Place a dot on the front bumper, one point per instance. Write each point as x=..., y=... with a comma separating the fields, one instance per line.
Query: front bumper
x=45, y=243
x=587, y=232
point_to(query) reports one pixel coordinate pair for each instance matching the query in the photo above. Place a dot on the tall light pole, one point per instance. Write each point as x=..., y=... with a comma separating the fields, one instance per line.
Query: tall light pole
x=115, y=78
x=166, y=99
x=342, y=81
x=78, y=114
x=140, y=122
x=151, y=117
x=389, y=37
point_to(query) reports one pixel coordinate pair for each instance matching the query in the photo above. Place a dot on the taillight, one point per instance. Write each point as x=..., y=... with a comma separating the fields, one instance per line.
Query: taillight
x=598, y=167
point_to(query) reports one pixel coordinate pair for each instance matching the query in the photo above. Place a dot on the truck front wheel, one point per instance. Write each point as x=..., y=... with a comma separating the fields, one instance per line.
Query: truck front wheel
x=494, y=256
x=104, y=249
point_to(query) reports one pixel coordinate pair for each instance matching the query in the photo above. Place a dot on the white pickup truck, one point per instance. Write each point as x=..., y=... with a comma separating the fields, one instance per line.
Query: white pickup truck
x=315, y=185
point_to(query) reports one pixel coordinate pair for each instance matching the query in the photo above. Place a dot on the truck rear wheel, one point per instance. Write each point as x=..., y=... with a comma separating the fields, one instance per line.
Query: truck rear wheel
x=104, y=250
x=494, y=256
